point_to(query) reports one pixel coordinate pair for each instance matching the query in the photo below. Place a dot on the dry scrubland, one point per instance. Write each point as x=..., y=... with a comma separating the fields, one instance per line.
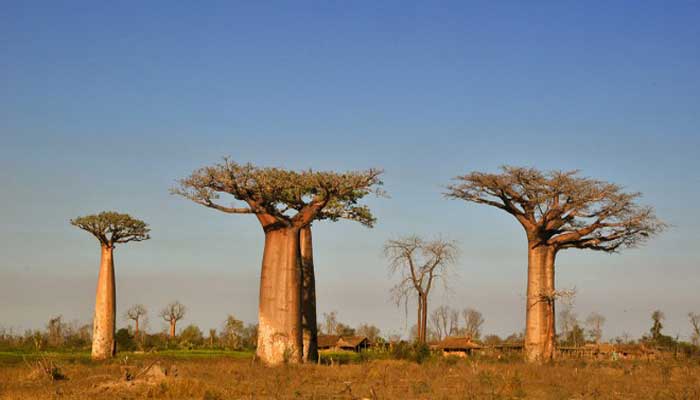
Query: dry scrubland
x=240, y=378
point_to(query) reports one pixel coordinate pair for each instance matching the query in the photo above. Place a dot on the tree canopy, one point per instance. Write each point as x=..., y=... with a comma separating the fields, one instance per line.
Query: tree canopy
x=111, y=227
x=562, y=209
x=283, y=197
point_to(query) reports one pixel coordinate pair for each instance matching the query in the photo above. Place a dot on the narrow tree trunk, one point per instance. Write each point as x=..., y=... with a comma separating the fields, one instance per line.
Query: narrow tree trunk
x=136, y=329
x=103, y=344
x=172, y=328
x=539, y=325
x=308, y=297
x=279, y=312
x=419, y=320
x=424, y=318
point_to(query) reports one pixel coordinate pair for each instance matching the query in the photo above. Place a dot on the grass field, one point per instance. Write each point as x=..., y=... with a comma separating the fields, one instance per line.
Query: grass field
x=234, y=375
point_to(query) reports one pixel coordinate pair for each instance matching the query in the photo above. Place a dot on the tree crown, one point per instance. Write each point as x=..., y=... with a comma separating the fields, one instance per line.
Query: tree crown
x=562, y=209
x=173, y=312
x=111, y=227
x=283, y=197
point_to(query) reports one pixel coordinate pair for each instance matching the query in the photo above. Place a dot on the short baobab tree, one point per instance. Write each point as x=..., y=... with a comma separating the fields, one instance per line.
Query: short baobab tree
x=284, y=203
x=110, y=229
x=136, y=313
x=420, y=264
x=172, y=313
x=558, y=210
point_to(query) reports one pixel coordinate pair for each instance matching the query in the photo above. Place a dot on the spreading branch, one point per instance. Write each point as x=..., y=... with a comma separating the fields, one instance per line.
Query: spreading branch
x=562, y=209
x=111, y=227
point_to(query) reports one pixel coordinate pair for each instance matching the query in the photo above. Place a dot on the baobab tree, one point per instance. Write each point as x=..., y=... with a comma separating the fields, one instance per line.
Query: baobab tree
x=332, y=212
x=420, y=264
x=284, y=203
x=110, y=228
x=558, y=210
x=172, y=313
x=136, y=313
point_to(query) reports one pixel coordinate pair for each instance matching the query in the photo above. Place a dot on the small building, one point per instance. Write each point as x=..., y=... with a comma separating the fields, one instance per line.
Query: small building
x=348, y=343
x=456, y=346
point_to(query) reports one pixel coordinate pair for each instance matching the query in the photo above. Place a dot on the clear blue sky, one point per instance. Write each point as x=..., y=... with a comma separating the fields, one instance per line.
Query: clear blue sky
x=103, y=106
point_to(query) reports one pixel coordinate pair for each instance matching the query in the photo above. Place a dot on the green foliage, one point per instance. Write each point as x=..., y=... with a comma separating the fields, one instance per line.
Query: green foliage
x=111, y=227
x=287, y=196
x=416, y=352
x=339, y=357
x=125, y=340
x=191, y=337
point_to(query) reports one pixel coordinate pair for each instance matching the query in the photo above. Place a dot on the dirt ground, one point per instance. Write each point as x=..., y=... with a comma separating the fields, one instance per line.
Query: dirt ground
x=227, y=378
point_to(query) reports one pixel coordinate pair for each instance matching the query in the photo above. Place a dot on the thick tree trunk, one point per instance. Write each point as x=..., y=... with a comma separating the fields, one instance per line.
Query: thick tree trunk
x=172, y=328
x=103, y=344
x=279, y=313
x=539, y=325
x=308, y=297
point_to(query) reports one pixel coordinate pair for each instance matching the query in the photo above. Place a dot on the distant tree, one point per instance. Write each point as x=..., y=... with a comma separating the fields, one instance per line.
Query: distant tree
x=492, y=340
x=595, y=323
x=371, y=332
x=172, y=313
x=695, y=324
x=558, y=210
x=576, y=336
x=473, y=320
x=284, y=203
x=110, y=229
x=657, y=318
x=213, y=338
x=136, y=313
x=420, y=264
x=55, y=330
x=330, y=322
x=232, y=332
x=124, y=340
x=444, y=321
x=191, y=336
x=567, y=321
x=344, y=330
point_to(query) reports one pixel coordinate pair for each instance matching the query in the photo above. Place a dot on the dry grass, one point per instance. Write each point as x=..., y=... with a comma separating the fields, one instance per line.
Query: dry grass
x=227, y=378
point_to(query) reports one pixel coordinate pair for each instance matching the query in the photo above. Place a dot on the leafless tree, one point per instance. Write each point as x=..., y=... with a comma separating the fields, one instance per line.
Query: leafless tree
x=695, y=324
x=444, y=321
x=172, y=313
x=136, y=313
x=420, y=264
x=330, y=322
x=285, y=203
x=369, y=331
x=567, y=320
x=558, y=210
x=595, y=322
x=473, y=320
x=110, y=229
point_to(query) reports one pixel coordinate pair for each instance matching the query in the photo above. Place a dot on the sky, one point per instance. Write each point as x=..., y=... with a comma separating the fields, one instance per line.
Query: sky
x=105, y=105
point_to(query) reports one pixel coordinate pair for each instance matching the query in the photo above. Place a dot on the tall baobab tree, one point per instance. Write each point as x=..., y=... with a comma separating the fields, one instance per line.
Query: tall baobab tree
x=333, y=212
x=172, y=313
x=420, y=264
x=284, y=203
x=136, y=313
x=110, y=229
x=558, y=210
